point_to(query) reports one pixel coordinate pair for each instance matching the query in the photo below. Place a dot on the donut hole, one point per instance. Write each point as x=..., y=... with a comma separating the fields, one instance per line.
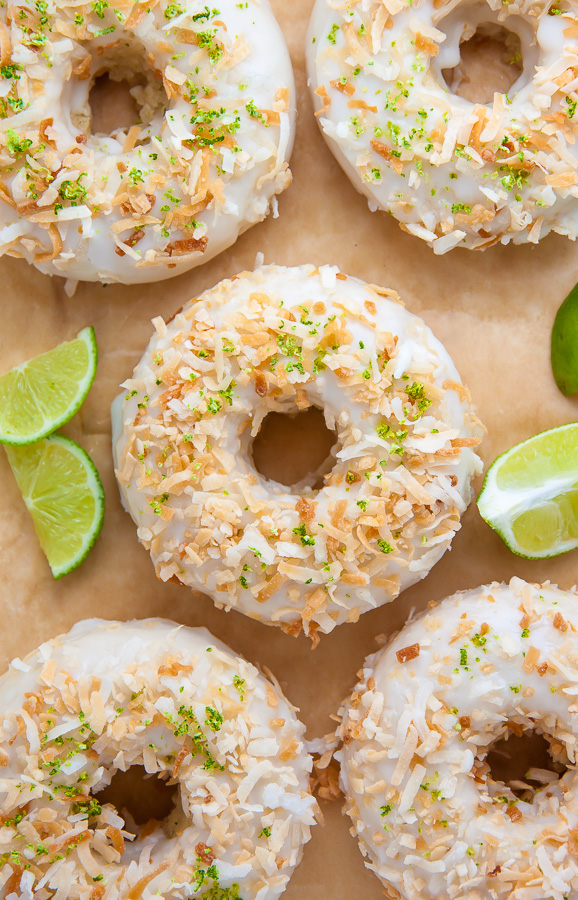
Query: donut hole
x=140, y=798
x=490, y=61
x=112, y=105
x=524, y=763
x=121, y=91
x=295, y=448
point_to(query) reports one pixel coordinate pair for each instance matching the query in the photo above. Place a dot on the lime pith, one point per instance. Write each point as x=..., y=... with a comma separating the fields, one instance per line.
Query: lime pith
x=43, y=393
x=530, y=494
x=64, y=495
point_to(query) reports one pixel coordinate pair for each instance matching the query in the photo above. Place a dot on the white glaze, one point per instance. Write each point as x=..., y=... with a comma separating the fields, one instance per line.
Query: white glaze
x=212, y=522
x=491, y=661
x=243, y=62
x=119, y=688
x=453, y=182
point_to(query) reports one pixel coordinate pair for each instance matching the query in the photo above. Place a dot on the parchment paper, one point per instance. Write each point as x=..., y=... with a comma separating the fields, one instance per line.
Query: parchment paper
x=493, y=311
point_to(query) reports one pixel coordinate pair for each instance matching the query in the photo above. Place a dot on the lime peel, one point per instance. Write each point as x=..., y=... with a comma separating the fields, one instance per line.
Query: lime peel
x=530, y=494
x=564, y=345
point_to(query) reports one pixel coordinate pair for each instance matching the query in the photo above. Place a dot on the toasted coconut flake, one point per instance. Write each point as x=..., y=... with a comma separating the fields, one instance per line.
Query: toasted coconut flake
x=5, y=45
x=426, y=45
x=322, y=92
x=56, y=240
x=385, y=152
x=408, y=653
x=345, y=87
x=188, y=245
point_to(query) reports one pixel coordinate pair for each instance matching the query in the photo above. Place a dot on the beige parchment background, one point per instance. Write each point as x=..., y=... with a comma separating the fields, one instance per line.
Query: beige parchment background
x=494, y=314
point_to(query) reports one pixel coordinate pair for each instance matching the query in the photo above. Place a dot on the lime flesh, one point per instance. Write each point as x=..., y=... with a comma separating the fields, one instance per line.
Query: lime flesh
x=40, y=395
x=64, y=495
x=530, y=494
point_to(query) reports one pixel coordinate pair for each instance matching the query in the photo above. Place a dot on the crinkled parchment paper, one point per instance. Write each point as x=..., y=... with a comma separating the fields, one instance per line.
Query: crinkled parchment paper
x=493, y=311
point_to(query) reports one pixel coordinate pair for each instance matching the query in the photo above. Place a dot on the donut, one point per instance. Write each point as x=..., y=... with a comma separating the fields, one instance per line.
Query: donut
x=111, y=695
x=483, y=664
x=282, y=340
x=452, y=172
x=215, y=93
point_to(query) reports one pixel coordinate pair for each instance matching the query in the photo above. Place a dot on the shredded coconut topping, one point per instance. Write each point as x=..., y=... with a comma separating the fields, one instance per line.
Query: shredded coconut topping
x=216, y=97
x=283, y=339
x=454, y=173
x=112, y=695
x=416, y=732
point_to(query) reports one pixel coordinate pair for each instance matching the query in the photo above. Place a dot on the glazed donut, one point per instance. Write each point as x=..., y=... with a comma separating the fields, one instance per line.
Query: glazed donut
x=481, y=665
x=216, y=97
x=454, y=173
x=110, y=695
x=284, y=339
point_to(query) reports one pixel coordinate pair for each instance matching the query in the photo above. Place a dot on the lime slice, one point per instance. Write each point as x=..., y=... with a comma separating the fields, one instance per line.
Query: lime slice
x=530, y=494
x=64, y=496
x=564, y=345
x=40, y=395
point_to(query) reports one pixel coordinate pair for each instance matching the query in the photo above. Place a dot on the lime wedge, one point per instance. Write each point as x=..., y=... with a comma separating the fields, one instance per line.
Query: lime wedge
x=564, y=345
x=40, y=395
x=64, y=496
x=530, y=494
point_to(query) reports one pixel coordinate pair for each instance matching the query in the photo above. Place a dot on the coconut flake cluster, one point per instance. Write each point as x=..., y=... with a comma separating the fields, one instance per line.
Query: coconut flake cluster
x=281, y=339
x=453, y=172
x=429, y=816
x=111, y=695
x=215, y=93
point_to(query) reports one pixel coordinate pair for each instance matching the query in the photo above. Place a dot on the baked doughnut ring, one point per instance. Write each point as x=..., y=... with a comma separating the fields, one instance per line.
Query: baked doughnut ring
x=216, y=102
x=111, y=695
x=454, y=173
x=284, y=339
x=483, y=664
